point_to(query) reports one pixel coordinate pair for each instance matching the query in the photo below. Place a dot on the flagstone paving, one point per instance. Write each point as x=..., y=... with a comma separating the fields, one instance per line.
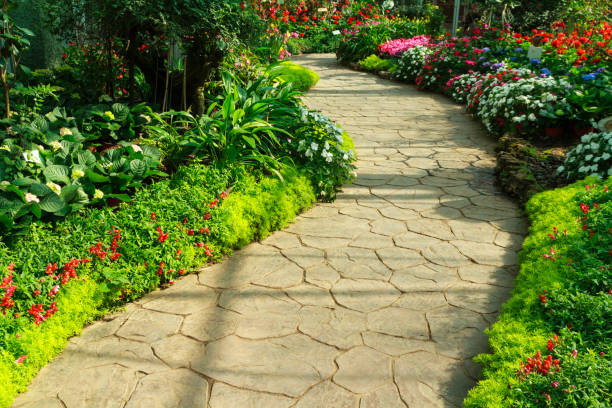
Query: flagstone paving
x=377, y=300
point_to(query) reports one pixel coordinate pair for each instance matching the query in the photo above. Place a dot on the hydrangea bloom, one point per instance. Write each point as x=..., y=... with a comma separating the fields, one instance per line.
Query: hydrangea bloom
x=395, y=48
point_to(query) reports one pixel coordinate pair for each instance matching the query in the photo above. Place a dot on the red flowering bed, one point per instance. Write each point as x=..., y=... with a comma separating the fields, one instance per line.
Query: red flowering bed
x=70, y=273
x=552, y=342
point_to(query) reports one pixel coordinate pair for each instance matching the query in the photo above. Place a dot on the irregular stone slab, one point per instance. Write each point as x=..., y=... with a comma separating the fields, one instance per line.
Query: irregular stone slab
x=224, y=396
x=396, y=346
x=401, y=214
x=443, y=375
x=445, y=254
x=515, y=225
x=357, y=263
x=42, y=403
x=360, y=360
x=364, y=295
x=322, y=275
x=412, y=240
x=386, y=396
x=176, y=351
x=306, y=294
x=400, y=258
x=246, y=265
x=175, y=388
x=327, y=394
x=256, y=365
x=210, y=324
x=267, y=324
x=497, y=202
x=441, y=181
x=399, y=322
x=288, y=275
x=477, y=297
x=417, y=197
x=486, y=254
x=185, y=298
x=283, y=240
x=253, y=299
x=422, y=163
x=370, y=240
x=486, y=214
x=442, y=213
x=149, y=326
x=471, y=230
x=340, y=226
x=421, y=301
x=318, y=355
x=432, y=228
x=406, y=280
x=388, y=227
x=338, y=327
x=305, y=257
x=454, y=201
x=324, y=243
x=490, y=275
x=320, y=211
x=107, y=386
x=445, y=322
x=508, y=240
x=360, y=212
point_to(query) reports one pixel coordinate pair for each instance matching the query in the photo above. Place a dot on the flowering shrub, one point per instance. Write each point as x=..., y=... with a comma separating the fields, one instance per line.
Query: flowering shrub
x=411, y=62
x=525, y=106
x=323, y=150
x=592, y=157
x=395, y=48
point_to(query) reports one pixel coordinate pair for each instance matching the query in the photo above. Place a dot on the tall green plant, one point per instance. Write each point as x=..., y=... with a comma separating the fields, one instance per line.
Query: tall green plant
x=13, y=41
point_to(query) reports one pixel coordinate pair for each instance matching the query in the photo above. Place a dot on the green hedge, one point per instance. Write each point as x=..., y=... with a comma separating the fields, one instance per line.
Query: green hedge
x=528, y=320
x=253, y=209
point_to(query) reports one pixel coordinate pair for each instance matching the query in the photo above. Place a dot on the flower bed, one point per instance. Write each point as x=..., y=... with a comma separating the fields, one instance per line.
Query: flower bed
x=551, y=343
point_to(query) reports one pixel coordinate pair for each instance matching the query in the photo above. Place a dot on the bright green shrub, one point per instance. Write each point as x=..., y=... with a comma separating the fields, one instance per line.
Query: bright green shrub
x=561, y=283
x=375, y=63
x=302, y=78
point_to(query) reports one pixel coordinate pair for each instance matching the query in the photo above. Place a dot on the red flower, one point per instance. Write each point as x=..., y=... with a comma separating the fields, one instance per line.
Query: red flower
x=162, y=236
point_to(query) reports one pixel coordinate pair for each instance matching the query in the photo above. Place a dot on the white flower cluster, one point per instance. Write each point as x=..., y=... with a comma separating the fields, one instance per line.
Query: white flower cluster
x=592, y=157
x=333, y=131
x=521, y=101
x=411, y=62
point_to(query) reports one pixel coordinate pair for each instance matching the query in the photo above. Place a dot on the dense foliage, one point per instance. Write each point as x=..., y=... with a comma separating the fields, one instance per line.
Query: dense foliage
x=560, y=307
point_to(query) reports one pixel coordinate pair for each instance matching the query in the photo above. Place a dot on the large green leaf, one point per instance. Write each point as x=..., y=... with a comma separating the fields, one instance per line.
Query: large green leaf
x=138, y=167
x=121, y=112
x=57, y=173
x=96, y=177
x=24, y=182
x=40, y=190
x=86, y=158
x=52, y=203
x=150, y=151
x=74, y=194
x=118, y=166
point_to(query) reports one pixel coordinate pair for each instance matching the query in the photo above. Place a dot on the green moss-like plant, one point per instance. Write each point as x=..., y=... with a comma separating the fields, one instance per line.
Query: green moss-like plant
x=302, y=78
x=522, y=328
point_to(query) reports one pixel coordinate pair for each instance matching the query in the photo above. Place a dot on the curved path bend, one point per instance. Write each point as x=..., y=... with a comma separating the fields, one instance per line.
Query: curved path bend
x=377, y=300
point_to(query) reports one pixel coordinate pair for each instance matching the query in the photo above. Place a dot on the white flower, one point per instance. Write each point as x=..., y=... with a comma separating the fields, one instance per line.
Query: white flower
x=29, y=197
x=136, y=148
x=32, y=156
x=531, y=117
x=314, y=146
x=65, y=132
x=98, y=194
x=55, y=145
x=308, y=153
x=54, y=187
x=76, y=174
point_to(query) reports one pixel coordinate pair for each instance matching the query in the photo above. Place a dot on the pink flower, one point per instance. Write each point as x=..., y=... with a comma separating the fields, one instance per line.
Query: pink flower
x=469, y=62
x=20, y=360
x=574, y=353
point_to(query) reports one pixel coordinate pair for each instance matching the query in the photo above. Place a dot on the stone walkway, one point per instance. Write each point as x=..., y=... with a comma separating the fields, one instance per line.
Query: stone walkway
x=377, y=300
